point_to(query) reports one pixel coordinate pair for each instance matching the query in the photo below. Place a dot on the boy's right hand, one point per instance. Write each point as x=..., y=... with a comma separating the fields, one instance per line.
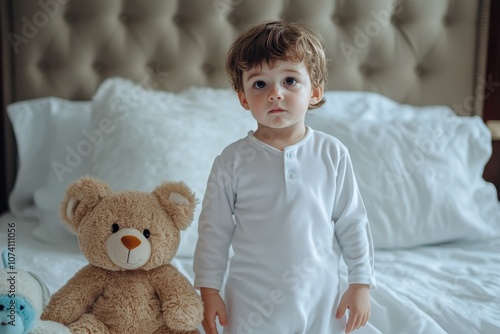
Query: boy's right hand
x=213, y=306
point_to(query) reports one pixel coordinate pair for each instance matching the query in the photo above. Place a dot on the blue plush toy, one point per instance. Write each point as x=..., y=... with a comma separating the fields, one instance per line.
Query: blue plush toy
x=16, y=315
x=23, y=295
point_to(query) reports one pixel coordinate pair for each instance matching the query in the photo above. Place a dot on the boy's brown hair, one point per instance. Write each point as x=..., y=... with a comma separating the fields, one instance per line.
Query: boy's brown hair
x=277, y=41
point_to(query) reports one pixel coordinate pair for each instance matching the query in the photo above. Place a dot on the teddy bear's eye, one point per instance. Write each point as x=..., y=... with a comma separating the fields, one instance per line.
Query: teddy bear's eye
x=115, y=228
x=2, y=307
x=21, y=307
x=146, y=233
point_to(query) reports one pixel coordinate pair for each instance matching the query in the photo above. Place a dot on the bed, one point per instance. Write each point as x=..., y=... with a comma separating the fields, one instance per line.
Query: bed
x=135, y=93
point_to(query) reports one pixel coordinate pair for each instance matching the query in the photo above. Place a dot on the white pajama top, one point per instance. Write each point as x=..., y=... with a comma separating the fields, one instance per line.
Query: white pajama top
x=289, y=216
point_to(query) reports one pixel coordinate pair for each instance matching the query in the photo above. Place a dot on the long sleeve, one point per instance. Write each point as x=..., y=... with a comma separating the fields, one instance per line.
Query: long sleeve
x=351, y=226
x=215, y=228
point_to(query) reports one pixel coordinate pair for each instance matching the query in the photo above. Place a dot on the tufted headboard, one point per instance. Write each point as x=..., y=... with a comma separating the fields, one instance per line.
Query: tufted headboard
x=419, y=52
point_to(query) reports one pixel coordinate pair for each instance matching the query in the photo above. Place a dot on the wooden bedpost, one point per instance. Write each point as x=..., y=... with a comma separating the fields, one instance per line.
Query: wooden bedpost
x=7, y=150
x=491, y=111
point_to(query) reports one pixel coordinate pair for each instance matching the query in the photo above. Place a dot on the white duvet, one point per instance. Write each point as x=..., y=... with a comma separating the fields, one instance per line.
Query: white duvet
x=452, y=288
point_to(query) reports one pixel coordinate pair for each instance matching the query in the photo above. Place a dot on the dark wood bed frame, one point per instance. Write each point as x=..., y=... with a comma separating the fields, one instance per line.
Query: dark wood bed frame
x=492, y=102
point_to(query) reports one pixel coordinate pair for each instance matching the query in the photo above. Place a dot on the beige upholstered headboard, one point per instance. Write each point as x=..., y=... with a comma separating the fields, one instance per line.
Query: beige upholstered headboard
x=415, y=51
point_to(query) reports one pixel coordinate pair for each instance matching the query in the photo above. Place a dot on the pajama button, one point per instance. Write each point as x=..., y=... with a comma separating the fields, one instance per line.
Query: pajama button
x=289, y=155
x=291, y=176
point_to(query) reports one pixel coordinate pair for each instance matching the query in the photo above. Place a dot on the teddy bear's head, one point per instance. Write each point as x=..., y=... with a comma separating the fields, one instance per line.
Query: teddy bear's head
x=127, y=230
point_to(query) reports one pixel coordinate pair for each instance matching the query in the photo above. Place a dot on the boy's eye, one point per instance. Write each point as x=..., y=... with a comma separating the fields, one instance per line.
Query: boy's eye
x=290, y=81
x=259, y=84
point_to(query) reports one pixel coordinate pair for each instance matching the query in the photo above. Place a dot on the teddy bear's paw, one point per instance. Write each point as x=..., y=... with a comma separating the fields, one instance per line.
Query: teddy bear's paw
x=183, y=327
x=185, y=317
x=166, y=330
x=88, y=324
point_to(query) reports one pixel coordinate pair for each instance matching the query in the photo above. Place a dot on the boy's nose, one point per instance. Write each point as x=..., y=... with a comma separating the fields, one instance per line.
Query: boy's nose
x=275, y=95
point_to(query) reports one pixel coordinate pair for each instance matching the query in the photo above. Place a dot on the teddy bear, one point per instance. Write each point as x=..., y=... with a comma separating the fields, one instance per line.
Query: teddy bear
x=129, y=239
x=23, y=295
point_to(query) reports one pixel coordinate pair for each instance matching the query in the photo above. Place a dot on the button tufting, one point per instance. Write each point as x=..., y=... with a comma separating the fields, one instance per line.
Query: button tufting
x=366, y=70
x=419, y=70
x=44, y=65
x=98, y=67
x=153, y=66
x=233, y=18
x=158, y=70
x=125, y=18
x=179, y=20
x=70, y=17
x=207, y=68
x=337, y=19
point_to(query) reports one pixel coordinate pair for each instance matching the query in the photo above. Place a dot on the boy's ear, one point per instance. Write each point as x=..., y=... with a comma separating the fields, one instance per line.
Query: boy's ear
x=316, y=95
x=243, y=100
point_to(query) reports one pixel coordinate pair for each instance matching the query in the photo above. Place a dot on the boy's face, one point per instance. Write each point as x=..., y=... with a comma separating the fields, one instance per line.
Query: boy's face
x=278, y=97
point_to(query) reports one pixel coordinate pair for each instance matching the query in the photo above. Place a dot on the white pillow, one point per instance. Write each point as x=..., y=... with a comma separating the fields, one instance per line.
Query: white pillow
x=374, y=106
x=420, y=177
x=53, y=150
x=157, y=136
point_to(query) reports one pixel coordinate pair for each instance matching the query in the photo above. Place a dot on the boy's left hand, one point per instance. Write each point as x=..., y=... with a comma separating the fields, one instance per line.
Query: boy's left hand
x=357, y=300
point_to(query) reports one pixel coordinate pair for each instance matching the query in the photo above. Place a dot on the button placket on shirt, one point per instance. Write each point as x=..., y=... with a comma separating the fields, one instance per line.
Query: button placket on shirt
x=290, y=164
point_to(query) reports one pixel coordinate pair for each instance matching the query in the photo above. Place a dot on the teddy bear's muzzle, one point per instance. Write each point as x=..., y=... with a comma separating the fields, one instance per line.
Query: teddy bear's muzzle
x=128, y=248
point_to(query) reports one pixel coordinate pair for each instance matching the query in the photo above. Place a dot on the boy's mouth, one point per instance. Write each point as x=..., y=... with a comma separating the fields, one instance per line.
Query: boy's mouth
x=276, y=110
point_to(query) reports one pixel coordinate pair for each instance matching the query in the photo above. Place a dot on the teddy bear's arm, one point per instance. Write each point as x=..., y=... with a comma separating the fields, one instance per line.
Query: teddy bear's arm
x=182, y=306
x=74, y=299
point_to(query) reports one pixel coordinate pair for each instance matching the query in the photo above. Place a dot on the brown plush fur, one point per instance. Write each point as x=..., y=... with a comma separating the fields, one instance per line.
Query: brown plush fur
x=103, y=297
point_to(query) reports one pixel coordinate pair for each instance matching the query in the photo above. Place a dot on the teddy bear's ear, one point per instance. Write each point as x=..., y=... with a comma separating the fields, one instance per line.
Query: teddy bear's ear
x=178, y=201
x=80, y=197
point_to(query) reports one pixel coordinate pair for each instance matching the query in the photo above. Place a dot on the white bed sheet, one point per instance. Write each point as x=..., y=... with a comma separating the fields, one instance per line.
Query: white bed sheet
x=453, y=288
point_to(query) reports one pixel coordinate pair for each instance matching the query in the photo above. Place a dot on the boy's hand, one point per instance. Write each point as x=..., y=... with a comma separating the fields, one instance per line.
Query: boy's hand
x=213, y=306
x=357, y=300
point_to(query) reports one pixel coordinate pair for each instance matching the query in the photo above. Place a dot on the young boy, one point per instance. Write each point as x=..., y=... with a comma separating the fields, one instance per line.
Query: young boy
x=286, y=200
